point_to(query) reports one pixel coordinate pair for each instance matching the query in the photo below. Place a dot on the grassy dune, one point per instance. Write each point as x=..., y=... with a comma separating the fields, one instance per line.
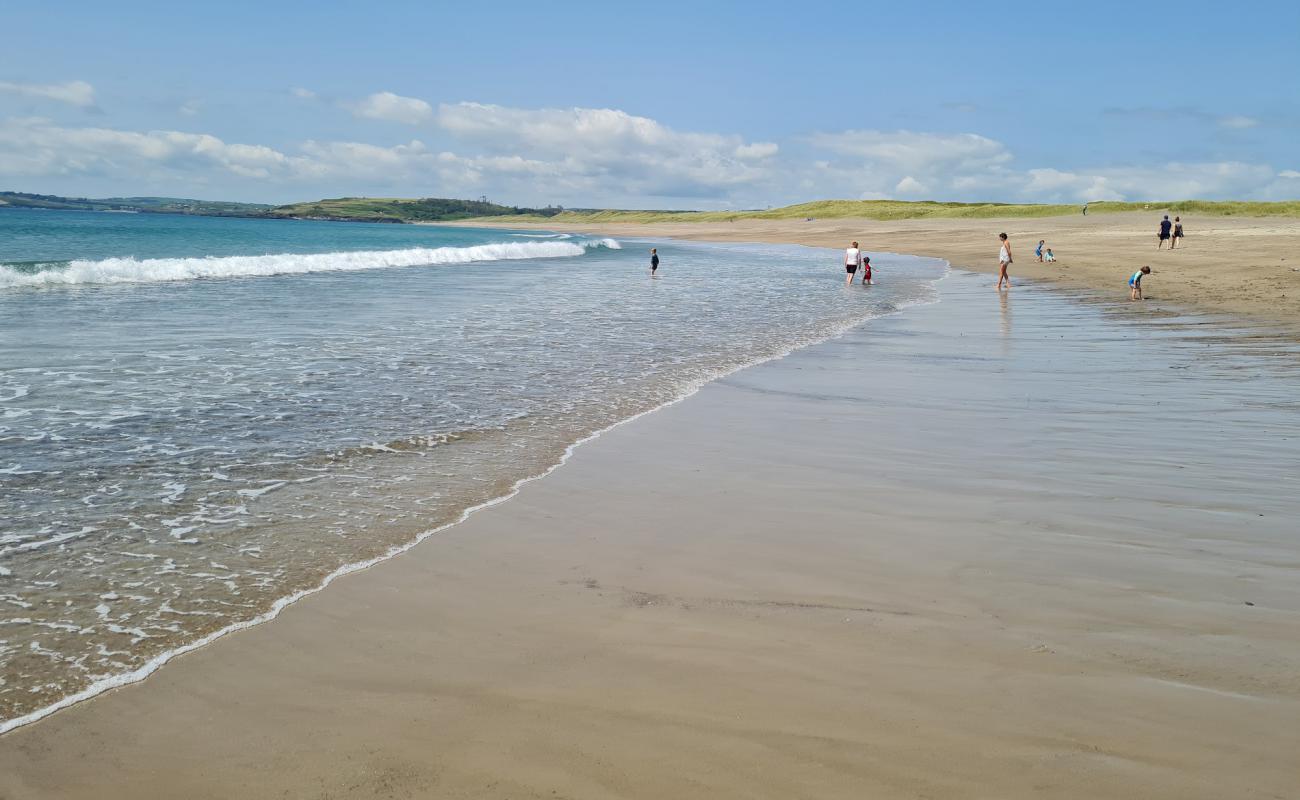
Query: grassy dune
x=898, y=209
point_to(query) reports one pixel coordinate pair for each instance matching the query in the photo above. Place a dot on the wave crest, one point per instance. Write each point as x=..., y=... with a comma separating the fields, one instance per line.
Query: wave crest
x=158, y=270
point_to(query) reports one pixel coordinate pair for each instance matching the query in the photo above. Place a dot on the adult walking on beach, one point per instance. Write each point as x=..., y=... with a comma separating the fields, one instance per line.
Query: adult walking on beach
x=1178, y=232
x=852, y=260
x=1004, y=261
x=654, y=260
x=1165, y=225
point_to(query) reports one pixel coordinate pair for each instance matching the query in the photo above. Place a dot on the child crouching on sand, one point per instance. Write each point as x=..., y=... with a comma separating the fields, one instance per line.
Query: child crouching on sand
x=1049, y=257
x=1135, y=283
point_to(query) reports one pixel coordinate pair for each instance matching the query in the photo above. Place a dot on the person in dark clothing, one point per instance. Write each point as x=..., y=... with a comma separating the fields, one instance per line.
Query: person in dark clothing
x=1165, y=225
x=1178, y=232
x=654, y=260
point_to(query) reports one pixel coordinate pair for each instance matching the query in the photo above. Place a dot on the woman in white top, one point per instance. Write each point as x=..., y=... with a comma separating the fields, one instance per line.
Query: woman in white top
x=1004, y=260
x=852, y=260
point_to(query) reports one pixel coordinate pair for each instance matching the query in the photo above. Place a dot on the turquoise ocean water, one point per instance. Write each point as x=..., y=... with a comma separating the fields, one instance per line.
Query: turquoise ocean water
x=201, y=418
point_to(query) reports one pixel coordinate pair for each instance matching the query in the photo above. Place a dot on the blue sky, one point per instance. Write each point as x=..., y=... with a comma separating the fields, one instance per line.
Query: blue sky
x=653, y=105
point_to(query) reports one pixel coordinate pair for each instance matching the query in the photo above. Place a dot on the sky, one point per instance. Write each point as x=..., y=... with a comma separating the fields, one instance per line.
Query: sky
x=667, y=104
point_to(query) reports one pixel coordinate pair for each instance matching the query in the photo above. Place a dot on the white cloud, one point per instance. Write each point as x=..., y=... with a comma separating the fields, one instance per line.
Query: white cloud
x=910, y=186
x=394, y=108
x=1185, y=114
x=913, y=151
x=35, y=146
x=303, y=94
x=910, y=163
x=1237, y=122
x=602, y=150
x=756, y=151
x=190, y=108
x=74, y=93
x=874, y=164
x=583, y=156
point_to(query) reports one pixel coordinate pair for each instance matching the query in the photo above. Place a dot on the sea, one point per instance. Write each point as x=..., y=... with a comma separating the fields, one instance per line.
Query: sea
x=203, y=419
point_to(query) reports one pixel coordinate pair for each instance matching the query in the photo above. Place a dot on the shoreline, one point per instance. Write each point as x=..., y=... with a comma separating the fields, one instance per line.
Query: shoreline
x=698, y=607
x=143, y=672
x=1233, y=265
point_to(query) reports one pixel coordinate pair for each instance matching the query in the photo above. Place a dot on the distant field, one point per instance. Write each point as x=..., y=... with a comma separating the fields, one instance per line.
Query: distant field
x=897, y=209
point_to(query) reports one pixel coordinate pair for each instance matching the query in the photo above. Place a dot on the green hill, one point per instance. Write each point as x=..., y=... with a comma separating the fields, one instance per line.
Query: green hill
x=396, y=209
x=148, y=205
x=899, y=209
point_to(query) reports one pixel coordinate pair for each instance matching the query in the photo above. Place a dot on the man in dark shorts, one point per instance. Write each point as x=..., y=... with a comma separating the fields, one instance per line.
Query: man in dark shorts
x=654, y=260
x=1165, y=225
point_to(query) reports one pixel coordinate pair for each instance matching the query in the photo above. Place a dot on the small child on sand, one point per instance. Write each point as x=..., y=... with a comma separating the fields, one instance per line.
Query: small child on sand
x=1049, y=256
x=1038, y=251
x=866, y=270
x=1135, y=283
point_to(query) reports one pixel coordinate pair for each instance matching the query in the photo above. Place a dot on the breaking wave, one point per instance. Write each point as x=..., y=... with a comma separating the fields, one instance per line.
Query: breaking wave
x=157, y=270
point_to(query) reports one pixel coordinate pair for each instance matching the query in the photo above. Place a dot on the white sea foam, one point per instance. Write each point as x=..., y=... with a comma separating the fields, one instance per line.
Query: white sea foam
x=156, y=270
x=142, y=671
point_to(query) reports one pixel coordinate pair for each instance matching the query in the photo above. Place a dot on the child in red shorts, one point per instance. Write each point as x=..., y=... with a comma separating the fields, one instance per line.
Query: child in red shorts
x=866, y=270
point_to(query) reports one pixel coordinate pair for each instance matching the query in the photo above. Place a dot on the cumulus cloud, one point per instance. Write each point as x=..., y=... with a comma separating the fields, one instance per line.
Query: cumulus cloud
x=74, y=93
x=595, y=148
x=911, y=165
x=917, y=152
x=35, y=146
x=609, y=157
x=875, y=164
x=394, y=108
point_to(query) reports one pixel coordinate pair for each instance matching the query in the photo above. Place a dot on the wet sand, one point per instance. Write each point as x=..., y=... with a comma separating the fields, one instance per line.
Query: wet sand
x=1238, y=265
x=994, y=547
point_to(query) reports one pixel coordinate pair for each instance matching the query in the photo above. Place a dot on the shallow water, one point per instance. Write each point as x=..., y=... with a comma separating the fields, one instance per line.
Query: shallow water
x=200, y=416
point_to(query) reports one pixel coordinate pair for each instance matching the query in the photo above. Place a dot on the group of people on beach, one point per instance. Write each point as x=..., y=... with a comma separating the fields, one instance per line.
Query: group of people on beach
x=855, y=260
x=1168, y=232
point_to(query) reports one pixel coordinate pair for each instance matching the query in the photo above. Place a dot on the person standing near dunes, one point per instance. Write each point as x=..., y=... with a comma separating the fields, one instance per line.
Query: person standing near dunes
x=852, y=260
x=1178, y=232
x=1004, y=261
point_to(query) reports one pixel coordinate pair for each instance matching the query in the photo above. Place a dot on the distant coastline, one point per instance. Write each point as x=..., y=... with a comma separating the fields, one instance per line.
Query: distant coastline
x=343, y=209
x=433, y=209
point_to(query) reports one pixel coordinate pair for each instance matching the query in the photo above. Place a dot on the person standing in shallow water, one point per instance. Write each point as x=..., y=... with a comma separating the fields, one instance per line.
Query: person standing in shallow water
x=1004, y=261
x=654, y=260
x=852, y=260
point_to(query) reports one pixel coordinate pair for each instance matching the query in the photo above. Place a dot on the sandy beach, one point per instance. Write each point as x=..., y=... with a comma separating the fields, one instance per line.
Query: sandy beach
x=1237, y=265
x=973, y=549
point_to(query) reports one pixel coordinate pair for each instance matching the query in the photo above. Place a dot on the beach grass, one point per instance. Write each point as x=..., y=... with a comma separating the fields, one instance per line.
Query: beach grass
x=900, y=209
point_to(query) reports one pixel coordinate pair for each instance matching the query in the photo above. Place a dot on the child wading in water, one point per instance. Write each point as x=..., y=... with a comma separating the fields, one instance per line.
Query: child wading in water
x=654, y=260
x=866, y=270
x=1135, y=283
